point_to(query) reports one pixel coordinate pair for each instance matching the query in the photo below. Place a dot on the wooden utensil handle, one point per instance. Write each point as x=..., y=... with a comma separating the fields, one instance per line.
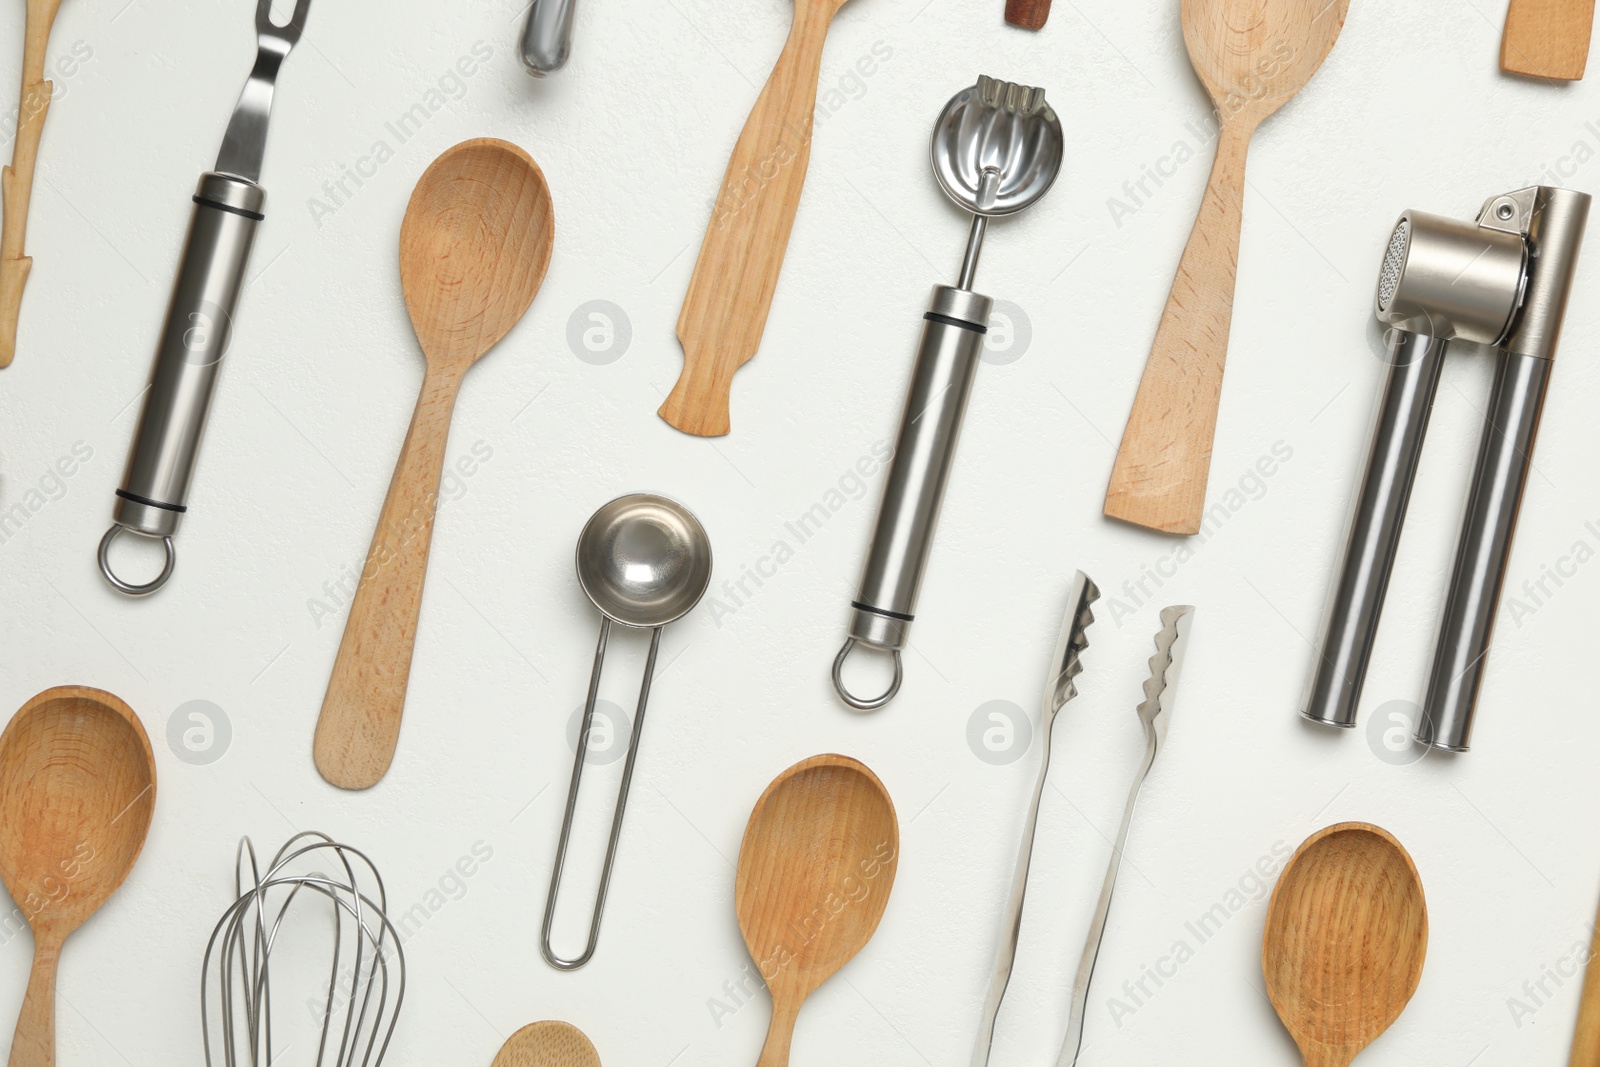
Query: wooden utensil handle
x=1159, y=479
x=1029, y=14
x=1547, y=38
x=360, y=721
x=730, y=293
x=780, y=1035
x=16, y=181
x=1586, y=1041
x=34, y=1044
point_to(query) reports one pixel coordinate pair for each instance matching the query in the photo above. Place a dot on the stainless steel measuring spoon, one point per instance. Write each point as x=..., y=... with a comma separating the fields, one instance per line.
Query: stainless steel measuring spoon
x=227, y=210
x=643, y=560
x=996, y=150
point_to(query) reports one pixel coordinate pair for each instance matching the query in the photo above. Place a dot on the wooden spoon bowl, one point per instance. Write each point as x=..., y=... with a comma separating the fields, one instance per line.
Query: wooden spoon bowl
x=547, y=1044
x=1253, y=56
x=1347, y=933
x=77, y=790
x=815, y=870
x=474, y=248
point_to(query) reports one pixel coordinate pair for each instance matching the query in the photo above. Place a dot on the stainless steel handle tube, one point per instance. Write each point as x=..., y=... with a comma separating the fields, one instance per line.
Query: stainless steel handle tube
x=1555, y=230
x=547, y=39
x=194, y=338
x=1355, y=600
x=1484, y=552
x=936, y=402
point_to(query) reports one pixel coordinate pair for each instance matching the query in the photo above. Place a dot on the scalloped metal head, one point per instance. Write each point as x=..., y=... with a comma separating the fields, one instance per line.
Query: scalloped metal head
x=1004, y=130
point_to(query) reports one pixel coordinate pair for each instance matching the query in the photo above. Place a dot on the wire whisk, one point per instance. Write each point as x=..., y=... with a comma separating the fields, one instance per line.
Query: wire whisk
x=366, y=979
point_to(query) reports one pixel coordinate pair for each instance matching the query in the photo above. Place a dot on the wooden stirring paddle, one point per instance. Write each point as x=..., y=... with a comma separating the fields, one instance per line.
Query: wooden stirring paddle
x=730, y=293
x=474, y=248
x=815, y=869
x=16, y=181
x=1347, y=932
x=77, y=790
x=1547, y=38
x=1252, y=56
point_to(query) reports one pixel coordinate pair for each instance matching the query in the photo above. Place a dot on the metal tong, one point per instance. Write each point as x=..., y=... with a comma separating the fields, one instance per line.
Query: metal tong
x=199, y=324
x=1503, y=281
x=1155, y=713
x=996, y=150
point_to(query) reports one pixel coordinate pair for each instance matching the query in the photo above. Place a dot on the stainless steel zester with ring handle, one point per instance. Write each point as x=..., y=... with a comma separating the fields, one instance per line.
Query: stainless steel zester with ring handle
x=996, y=150
x=216, y=253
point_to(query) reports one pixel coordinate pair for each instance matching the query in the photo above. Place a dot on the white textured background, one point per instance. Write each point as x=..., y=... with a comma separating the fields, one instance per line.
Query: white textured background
x=1410, y=111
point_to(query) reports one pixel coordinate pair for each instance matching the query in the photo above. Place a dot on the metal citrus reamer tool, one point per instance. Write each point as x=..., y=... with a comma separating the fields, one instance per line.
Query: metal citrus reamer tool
x=199, y=322
x=996, y=150
x=1503, y=281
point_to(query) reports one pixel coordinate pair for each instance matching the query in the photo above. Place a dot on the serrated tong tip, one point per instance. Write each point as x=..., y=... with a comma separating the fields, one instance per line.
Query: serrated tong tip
x=1074, y=639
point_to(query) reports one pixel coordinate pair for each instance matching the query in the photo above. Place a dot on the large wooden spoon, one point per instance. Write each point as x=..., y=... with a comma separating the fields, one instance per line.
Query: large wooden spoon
x=1347, y=931
x=77, y=789
x=730, y=293
x=16, y=181
x=474, y=248
x=1547, y=38
x=815, y=870
x=1252, y=56
x=547, y=1044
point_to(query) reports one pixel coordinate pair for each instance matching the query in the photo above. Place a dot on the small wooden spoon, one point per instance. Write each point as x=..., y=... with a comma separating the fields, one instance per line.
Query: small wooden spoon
x=1347, y=932
x=474, y=248
x=16, y=181
x=77, y=789
x=1252, y=56
x=815, y=869
x=547, y=1044
x=1547, y=38
x=725, y=311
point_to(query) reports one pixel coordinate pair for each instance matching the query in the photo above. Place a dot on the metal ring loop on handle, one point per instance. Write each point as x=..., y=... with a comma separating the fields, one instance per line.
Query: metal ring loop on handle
x=128, y=587
x=854, y=701
x=545, y=947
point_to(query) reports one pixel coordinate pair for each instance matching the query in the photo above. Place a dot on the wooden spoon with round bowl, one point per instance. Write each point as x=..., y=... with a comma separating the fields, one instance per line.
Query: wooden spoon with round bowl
x=1347, y=932
x=77, y=789
x=815, y=869
x=547, y=1044
x=474, y=248
x=1252, y=56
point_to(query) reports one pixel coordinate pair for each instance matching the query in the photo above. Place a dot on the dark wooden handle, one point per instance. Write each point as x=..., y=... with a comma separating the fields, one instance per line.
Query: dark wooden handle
x=1029, y=14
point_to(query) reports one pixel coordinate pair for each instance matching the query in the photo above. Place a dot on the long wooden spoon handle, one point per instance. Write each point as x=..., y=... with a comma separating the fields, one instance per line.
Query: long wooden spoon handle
x=1547, y=38
x=730, y=293
x=16, y=181
x=34, y=1044
x=1586, y=1042
x=360, y=720
x=780, y=1035
x=1159, y=479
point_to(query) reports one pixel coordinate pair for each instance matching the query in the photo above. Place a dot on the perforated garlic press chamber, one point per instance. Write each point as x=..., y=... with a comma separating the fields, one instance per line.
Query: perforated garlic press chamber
x=1501, y=281
x=228, y=206
x=996, y=150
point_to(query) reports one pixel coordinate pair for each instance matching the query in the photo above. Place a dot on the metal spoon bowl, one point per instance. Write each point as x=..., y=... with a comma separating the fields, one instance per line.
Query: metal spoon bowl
x=1002, y=129
x=644, y=560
